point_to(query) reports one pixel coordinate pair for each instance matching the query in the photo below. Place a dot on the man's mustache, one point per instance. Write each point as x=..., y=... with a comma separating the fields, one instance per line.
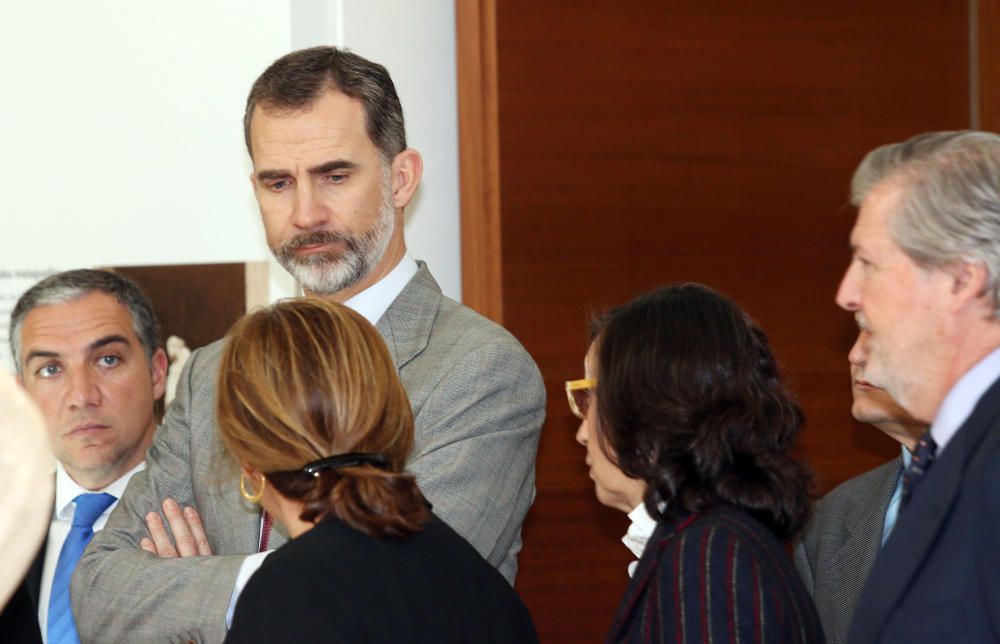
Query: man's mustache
x=318, y=237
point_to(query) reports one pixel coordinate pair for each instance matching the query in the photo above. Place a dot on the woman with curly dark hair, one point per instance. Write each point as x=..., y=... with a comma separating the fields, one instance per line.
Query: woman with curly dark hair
x=688, y=428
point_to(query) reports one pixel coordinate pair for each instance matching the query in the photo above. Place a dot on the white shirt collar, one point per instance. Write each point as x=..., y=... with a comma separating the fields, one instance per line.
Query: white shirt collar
x=963, y=397
x=67, y=489
x=373, y=302
x=639, y=532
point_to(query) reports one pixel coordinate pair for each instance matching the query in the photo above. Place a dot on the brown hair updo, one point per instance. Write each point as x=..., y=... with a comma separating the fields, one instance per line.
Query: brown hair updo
x=306, y=379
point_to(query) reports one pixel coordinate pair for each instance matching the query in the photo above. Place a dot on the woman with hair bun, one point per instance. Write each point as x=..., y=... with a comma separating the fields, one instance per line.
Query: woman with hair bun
x=688, y=428
x=311, y=408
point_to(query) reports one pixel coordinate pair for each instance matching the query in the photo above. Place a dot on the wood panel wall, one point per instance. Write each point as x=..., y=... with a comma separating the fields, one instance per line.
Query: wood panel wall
x=646, y=143
x=986, y=63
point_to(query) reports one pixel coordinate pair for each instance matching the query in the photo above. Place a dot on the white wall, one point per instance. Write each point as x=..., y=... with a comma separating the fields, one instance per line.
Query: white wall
x=121, y=126
x=121, y=130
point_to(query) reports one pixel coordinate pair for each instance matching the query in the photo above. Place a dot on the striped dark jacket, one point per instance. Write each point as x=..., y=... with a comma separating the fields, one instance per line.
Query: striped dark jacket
x=717, y=576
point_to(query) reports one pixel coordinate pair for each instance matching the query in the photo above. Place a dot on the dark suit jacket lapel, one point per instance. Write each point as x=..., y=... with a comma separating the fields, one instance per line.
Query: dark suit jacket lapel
x=33, y=580
x=407, y=323
x=922, y=519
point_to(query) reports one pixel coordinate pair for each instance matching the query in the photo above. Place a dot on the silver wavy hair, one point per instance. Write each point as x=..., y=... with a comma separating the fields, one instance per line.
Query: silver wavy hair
x=950, y=205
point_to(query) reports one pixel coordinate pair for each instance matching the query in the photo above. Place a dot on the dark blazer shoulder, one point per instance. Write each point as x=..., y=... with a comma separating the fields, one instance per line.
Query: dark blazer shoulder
x=723, y=557
x=19, y=618
x=334, y=583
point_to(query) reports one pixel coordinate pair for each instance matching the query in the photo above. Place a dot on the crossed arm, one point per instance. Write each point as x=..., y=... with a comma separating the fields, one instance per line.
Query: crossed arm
x=189, y=539
x=480, y=414
x=122, y=591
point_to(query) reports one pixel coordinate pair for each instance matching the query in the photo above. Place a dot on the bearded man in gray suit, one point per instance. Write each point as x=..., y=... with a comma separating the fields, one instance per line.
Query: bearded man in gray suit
x=332, y=175
x=838, y=547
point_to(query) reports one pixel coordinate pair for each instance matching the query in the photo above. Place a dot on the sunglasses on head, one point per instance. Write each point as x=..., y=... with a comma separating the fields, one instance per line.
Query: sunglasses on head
x=578, y=393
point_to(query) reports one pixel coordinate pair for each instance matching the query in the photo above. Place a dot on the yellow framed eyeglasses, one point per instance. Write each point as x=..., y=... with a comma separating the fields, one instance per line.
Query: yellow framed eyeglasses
x=578, y=395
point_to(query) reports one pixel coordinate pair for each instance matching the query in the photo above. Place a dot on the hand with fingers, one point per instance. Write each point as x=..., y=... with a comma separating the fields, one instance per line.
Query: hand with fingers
x=189, y=538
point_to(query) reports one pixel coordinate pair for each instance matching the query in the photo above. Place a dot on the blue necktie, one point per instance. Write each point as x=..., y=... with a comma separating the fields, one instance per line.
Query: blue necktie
x=923, y=458
x=62, y=628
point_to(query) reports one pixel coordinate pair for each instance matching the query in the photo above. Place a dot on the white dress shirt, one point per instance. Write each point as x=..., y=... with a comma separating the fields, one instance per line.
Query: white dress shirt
x=62, y=520
x=372, y=303
x=639, y=532
x=375, y=300
x=962, y=399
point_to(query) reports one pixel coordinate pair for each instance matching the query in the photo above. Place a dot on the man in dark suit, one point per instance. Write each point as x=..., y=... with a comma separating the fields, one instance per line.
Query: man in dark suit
x=924, y=282
x=837, y=549
x=87, y=350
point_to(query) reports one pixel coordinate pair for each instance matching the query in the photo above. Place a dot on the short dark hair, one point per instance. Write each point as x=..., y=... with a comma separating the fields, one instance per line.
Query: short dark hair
x=690, y=401
x=71, y=285
x=296, y=80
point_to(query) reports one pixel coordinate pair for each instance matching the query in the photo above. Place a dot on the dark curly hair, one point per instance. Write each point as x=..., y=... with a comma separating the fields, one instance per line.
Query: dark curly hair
x=689, y=400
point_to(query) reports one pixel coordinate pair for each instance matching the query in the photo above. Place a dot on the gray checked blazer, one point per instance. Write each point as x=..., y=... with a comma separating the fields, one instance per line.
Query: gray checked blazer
x=838, y=547
x=478, y=403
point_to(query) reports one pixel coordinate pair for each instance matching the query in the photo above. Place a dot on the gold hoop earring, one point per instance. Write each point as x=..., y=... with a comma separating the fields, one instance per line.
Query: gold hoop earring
x=252, y=498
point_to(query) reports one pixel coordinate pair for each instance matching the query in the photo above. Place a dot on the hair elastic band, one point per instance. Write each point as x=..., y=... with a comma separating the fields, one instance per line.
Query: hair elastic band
x=337, y=461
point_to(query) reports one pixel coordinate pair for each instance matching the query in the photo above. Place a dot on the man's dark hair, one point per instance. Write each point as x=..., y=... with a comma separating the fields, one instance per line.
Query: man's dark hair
x=689, y=400
x=72, y=285
x=295, y=81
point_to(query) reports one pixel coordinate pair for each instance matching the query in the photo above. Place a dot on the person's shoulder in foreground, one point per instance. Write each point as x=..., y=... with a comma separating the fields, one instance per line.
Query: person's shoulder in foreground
x=338, y=584
x=716, y=576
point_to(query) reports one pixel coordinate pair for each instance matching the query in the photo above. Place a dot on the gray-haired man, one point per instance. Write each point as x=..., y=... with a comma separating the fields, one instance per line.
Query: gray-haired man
x=924, y=282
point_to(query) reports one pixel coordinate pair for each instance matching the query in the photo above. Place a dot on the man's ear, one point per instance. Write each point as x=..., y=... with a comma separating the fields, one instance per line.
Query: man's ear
x=968, y=285
x=969, y=281
x=158, y=368
x=407, y=168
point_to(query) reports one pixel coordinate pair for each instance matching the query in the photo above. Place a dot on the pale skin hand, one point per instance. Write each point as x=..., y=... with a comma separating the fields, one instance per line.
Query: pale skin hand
x=189, y=533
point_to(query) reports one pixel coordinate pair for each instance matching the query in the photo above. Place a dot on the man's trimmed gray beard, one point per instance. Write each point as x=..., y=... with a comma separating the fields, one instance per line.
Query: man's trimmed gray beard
x=333, y=271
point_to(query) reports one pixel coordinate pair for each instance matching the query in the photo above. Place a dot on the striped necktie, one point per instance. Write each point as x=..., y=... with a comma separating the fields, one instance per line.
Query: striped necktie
x=265, y=530
x=61, y=627
x=923, y=458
